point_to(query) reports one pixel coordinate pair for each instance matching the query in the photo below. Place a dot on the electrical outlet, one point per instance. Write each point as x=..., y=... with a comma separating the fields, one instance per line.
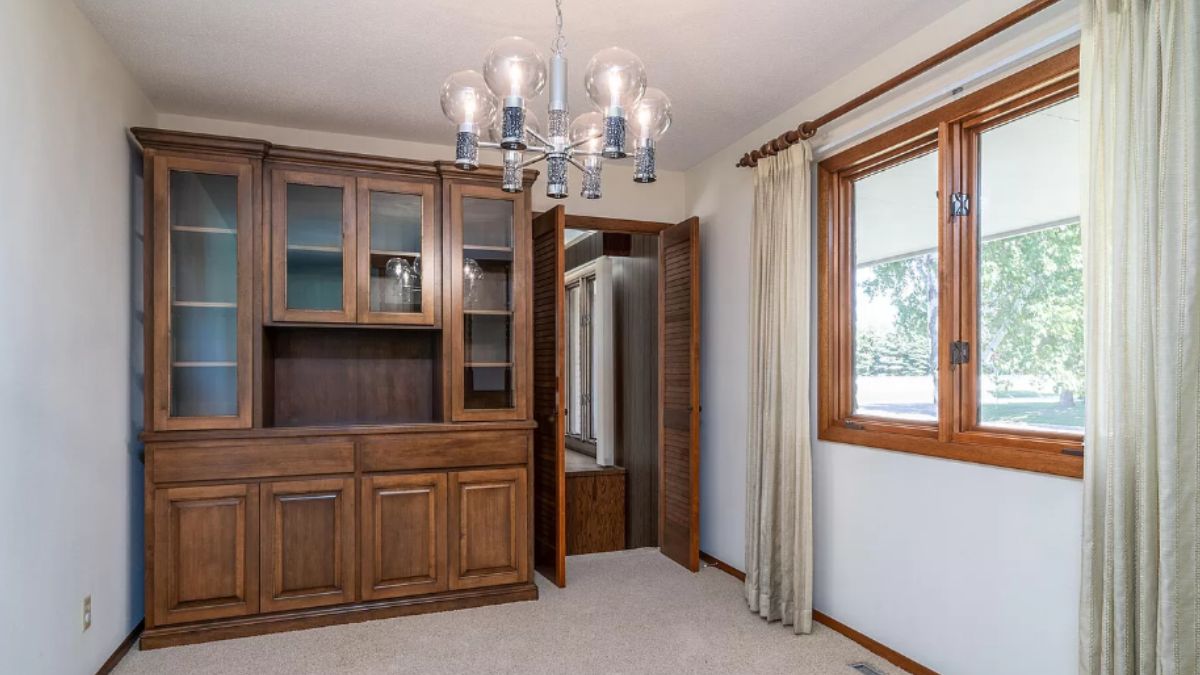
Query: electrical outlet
x=87, y=612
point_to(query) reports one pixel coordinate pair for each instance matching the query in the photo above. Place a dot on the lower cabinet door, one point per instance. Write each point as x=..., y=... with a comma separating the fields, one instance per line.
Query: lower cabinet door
x=489, y=528
x=205, y=553
x=308, y=543
x=403, y=535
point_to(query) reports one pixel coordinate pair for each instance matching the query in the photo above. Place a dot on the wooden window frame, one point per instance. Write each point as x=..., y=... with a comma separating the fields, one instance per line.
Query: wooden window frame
x=951, y=131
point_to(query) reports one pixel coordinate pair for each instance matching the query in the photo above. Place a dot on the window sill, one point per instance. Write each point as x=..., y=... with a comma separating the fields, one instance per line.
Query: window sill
x=1037, y=461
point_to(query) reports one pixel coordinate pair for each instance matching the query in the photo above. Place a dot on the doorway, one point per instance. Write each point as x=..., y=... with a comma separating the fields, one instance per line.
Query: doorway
x=616, y=388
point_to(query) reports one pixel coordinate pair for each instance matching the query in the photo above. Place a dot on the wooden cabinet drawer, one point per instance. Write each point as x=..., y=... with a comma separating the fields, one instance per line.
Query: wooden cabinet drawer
x=228, y=460
x=445, y=450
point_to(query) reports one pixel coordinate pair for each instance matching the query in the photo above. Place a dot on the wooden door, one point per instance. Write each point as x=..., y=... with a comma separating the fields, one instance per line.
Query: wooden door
x=399, y=246
x=679, y=393
x=313, y=251
x=488, y=277
x=307, y=543
x=488, y=528
x=549, y=472
x=201, y=307
x=205, y=553
x=403, y=535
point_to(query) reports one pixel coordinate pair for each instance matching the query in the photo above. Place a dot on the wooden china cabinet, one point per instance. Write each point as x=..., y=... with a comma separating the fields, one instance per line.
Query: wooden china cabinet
x=338, y=378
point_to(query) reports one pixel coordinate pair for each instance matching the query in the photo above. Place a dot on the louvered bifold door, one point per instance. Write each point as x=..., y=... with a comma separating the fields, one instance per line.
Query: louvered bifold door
x=679, y=393
x=550, y=527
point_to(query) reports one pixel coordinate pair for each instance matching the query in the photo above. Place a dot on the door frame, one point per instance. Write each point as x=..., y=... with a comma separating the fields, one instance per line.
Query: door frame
x=644, y=227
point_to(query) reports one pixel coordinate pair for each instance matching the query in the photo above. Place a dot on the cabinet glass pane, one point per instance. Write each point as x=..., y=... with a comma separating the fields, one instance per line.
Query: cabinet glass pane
x=203, y=276
x=314, y=247
x=896, y=291
x=487, y=302
x=1030, y=352
x=395, y=256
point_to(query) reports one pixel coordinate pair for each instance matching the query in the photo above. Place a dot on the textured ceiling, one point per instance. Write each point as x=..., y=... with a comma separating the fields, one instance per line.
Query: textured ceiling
x=374, y=67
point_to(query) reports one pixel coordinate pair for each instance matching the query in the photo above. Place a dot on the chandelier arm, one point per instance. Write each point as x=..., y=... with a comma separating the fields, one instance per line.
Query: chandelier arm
x=535, y=160
x=491, y=145
x=580, y=142
x=579, y=166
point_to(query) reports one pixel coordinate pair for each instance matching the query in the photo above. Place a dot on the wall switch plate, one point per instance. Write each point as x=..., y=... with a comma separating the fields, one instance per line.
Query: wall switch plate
x=87, y=612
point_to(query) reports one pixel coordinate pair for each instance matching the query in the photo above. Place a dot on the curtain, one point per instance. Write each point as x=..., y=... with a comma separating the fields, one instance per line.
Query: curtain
x=1140, y=88
x=779, y=453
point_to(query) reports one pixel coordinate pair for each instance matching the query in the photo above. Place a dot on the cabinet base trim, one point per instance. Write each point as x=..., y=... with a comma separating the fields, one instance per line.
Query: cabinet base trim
x=170, y=636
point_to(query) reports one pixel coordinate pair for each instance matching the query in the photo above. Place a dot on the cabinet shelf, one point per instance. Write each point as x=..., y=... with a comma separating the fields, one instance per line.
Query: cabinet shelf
x=203, y=230
x=204, y=364
x=488, y=312
x=397, y=254
x=312, y=248
x=200, y=303
x=488, y=364
x=482, y=247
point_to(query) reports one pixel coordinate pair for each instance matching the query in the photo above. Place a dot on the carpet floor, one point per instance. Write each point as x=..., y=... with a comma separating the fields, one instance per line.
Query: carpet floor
x=626, y=612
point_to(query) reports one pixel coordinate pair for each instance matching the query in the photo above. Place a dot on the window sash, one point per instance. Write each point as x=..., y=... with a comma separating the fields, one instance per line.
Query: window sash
x=953, y=131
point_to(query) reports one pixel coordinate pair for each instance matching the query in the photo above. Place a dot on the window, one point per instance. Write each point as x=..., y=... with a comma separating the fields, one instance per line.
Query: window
x=589, y=390
x=952, y=280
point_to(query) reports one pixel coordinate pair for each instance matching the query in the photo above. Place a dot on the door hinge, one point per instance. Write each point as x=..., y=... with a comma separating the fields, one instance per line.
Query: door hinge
x=960, y=204
x=960, y=353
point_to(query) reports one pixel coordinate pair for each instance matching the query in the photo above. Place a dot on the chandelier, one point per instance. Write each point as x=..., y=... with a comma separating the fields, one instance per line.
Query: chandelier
x=514, y=72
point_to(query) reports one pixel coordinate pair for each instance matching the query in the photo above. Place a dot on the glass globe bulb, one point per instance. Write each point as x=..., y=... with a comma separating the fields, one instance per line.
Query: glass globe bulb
x=589, y=128
x=515, y=68
x=650, y=117
x=467, y=101
x=615, y=79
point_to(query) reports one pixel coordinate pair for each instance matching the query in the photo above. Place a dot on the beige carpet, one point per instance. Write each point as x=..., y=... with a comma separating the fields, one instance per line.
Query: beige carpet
x=627, y=612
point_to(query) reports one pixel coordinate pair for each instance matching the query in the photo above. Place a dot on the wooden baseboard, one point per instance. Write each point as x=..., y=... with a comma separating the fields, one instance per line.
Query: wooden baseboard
x=122, y=649
x=875, y=647
x=223, y=629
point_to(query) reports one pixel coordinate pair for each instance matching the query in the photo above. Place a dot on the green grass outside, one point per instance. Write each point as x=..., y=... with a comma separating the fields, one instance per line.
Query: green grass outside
x=1040, y=414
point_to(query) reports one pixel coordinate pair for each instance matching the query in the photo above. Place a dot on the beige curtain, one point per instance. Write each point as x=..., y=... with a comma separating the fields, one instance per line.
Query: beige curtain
x=778, y=470
x=1140, y=85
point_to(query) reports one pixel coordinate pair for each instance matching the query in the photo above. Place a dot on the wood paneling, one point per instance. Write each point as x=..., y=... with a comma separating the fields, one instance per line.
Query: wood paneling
x=205, y=552
x=595, y=512
x=679, y=386
x=549, y=519
x=487, y=528
x=445, y=450
x=328, y=376
x=308, y=548
x=403, y=535
x=220, y=460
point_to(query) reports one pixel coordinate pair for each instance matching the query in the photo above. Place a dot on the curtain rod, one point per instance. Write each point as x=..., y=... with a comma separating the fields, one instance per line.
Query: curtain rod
x=808, y=129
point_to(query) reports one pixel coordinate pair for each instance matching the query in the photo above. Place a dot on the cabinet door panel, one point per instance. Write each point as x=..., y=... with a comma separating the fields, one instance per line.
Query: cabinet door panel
x=205, y=552
x=489, y=528
x=488, y=271
x=308, y=543
x=404, y=535
x=312, y=247
x=399, y=263
x=202, y=239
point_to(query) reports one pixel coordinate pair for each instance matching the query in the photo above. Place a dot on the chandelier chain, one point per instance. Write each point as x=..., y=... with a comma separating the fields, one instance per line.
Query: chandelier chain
x=560, y=41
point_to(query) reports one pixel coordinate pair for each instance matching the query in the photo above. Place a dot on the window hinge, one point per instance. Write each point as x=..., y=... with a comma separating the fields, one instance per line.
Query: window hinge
x=960, y=204
x=960, y=353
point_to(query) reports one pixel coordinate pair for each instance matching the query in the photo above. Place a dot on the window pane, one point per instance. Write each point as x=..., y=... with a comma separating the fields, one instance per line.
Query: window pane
x=896, y=291
x=1030, y=350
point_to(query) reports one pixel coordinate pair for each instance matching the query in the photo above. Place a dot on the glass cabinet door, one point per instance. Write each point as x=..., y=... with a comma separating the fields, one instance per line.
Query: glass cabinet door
x=488, y=267
x=399, y=271
x=313, y=255
x=201, y=289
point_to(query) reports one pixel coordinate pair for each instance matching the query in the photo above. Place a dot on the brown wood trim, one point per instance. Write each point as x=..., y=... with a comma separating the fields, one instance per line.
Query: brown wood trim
x=188, y=142
x=156, y=638
x=222, y=460
x=725, y=567
x=809, y=128
x=332, y=431
x=122, y=649
x=874, y=646
x=625, y=225
x=444, y=451
x=350, y=160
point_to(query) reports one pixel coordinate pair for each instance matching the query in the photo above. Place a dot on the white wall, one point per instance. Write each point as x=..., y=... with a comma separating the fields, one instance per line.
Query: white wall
x=962, y=567
x=661, y=200
x=70, y=477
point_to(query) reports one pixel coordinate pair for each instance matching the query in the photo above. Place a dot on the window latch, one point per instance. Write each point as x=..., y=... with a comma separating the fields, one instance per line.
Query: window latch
x=960, y=204
x=960, y=353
